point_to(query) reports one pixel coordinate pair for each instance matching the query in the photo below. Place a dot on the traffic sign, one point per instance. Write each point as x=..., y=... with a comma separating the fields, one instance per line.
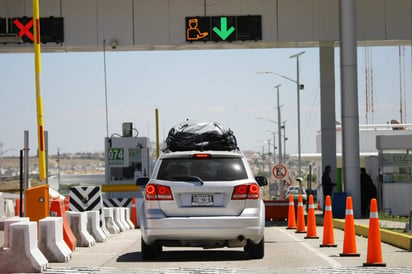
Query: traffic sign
x=198, y=28
x=279, y=171
x=223, y=28
x=51, y=29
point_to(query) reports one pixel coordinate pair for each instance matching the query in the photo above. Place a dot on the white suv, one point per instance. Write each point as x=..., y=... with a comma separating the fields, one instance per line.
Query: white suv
x=207, y=199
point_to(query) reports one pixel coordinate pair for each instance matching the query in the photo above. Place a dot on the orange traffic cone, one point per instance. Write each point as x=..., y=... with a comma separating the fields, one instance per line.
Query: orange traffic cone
x=374, y=257
x=328, y=236
x=291, y=213
x=349, y=240
x=133, y=216
x=311, y=234
x=301, y=216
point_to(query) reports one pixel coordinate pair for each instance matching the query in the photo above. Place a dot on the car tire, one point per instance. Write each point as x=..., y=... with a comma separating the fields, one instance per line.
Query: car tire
x=255, y=251
x=150, y=252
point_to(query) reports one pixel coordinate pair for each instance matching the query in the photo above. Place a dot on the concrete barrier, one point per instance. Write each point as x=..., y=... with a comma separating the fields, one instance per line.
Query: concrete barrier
x=78, y=224
x=123, y=218
x=9, y=208
x=111, y=226
x=23, y=255
x=51, y=242
x=104, y=226
x=7, y=223
x=2, y=206
x=127, y=218
x=93, y=226
x=57, y=208
x=118, y=219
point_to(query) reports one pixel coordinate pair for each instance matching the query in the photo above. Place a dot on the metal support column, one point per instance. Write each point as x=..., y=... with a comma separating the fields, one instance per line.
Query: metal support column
x=349, y=103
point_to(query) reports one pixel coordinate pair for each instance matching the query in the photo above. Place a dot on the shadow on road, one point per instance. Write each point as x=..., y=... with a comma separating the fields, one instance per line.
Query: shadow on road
x=181, y=256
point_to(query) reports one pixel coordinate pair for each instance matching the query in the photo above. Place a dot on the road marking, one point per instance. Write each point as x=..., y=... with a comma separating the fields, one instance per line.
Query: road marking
x=329, y=260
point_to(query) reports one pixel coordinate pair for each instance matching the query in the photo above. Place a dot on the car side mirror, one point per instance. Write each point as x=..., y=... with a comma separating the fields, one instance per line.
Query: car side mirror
x=142, y=181
x=261, y=180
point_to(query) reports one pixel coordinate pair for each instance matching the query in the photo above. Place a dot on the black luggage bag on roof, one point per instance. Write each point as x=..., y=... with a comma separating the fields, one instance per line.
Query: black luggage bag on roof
x=201, y=136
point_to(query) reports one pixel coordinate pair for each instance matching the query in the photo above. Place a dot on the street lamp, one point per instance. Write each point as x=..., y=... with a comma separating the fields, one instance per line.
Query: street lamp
x=284, y=140
x=279, y=126
x=280, y=133
x=274, y=144
x=298, y=87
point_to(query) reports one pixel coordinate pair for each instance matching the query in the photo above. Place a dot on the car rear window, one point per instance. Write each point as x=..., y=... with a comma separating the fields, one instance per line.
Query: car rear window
x=207, y=169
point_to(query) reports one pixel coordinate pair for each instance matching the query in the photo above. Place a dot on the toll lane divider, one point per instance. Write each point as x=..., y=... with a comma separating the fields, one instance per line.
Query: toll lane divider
x=118, y=219
x=2, y=206
x=57, y=208
x=109, y=219
x=22, y=253
x=8, y=204
x=78, y=224
x=51, y=242
x=93, y=226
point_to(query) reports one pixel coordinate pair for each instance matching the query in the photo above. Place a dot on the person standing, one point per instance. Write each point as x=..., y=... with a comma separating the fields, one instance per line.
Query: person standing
x=368, y=191
x=327, y=184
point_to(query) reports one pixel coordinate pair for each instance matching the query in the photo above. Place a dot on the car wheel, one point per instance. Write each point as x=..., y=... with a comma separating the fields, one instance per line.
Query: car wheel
x=150, y=252
x=255, y=251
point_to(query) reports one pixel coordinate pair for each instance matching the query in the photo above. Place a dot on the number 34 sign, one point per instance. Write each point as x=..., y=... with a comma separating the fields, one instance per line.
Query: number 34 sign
x=279, y=171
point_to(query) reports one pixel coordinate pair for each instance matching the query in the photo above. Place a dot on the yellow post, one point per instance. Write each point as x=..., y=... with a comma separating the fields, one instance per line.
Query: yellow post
x=39, y=100
x=157, y=134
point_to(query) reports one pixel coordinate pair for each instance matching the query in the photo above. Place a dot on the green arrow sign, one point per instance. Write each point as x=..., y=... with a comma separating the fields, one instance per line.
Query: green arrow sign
x=223, y=32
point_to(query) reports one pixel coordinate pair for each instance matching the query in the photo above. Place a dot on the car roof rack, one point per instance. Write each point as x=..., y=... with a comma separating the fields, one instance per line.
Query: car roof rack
x=200, y=136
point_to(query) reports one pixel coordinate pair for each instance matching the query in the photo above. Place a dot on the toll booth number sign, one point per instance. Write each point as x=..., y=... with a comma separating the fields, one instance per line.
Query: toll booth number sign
x=116, y=156
x=223, y=28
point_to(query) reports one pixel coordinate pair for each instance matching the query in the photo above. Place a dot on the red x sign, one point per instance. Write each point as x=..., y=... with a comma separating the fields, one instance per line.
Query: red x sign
x=24, y=29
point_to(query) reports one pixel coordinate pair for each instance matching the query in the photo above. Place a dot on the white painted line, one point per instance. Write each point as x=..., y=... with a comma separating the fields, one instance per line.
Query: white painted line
x=329, y=260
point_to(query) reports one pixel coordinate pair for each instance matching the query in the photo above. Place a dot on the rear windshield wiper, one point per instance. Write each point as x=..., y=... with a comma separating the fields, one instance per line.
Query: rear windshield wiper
x=188, y=178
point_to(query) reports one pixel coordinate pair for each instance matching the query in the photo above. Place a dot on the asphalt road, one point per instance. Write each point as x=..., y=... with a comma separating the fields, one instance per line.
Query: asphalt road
x=285, y=252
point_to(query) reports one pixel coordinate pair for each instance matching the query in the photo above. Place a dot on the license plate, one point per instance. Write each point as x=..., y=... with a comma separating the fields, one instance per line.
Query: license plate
x=202, y=200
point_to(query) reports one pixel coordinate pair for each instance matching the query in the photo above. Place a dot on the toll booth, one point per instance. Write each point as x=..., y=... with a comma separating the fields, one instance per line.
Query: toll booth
x=395, y=173
x=127, y=157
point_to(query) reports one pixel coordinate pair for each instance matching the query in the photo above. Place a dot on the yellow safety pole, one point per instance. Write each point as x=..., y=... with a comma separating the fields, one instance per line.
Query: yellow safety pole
x=157, y=134
x=39, y=100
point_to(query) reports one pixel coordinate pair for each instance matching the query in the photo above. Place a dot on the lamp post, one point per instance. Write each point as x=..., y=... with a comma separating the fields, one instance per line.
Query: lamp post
x=279, y=126
x=274, y=143
x=298, y=87
x=280, y=144
x=284, y=140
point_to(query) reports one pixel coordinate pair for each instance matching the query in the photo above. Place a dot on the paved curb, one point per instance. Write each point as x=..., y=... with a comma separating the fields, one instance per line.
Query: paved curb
x=393, y=238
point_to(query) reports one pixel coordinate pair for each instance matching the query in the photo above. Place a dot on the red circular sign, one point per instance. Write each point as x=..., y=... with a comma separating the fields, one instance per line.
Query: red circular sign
x=279, y=171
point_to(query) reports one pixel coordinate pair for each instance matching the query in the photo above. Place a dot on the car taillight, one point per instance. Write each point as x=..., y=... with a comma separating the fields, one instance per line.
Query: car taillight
x=158, y=192
x=201, y=156
x=246, y=191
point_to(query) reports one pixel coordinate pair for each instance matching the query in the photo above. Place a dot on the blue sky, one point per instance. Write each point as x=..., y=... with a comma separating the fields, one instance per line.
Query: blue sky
x=200, y=85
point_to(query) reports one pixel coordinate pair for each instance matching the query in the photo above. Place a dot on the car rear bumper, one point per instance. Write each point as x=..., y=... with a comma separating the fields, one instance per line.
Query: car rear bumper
x=249, y=225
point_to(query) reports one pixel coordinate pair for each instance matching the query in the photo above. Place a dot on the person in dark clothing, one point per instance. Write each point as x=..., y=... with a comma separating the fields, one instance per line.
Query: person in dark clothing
x=327, y=184
x=368, y=191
